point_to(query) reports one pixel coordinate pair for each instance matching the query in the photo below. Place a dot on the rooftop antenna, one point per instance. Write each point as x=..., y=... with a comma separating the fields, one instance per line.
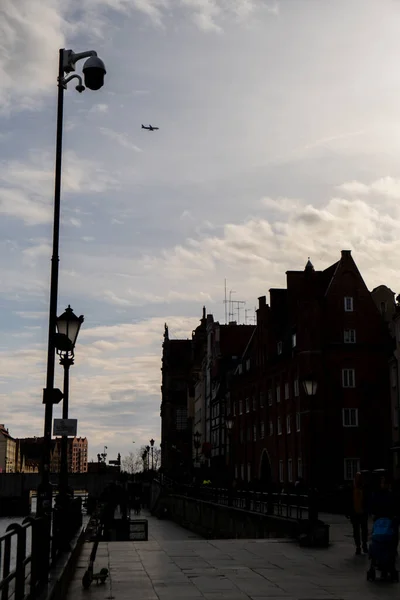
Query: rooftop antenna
x=230, y=305
x=226, y=306
x=238, y=303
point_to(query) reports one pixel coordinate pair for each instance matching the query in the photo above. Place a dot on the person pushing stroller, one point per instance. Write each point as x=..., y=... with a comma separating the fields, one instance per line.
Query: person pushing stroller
x=385, y=533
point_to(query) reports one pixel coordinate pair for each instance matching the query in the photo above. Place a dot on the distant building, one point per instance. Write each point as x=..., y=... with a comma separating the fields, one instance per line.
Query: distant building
x=8, y=455
x=77, y=455
x=30, y=452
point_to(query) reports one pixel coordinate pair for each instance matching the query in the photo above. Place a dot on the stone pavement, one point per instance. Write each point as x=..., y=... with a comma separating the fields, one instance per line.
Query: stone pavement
x=178, y=565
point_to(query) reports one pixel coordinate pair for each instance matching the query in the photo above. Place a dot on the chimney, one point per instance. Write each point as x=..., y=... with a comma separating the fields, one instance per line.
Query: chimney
x=262, y=301
x=346, y=253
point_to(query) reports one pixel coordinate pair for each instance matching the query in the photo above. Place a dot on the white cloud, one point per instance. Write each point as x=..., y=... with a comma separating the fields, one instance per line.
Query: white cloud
x=26, y=188
x=99, y=108
x=385, y=186
x=121, y=138
x=30, y=33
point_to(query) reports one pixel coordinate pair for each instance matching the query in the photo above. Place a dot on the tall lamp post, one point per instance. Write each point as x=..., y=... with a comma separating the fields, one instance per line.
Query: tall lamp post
x=229, y=427
x=152, y=453
x=68, y=327
x=310, y=387
x=148, y=457
x=93, y=71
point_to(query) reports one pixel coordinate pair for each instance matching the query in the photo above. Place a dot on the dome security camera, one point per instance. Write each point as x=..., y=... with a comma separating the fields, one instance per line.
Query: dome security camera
x=94, y=71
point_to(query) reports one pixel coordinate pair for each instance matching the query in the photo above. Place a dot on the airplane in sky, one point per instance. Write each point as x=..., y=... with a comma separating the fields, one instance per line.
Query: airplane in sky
x=150, y=127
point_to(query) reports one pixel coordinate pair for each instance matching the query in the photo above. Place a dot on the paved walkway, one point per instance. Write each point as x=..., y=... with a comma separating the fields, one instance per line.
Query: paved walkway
x=175, y=564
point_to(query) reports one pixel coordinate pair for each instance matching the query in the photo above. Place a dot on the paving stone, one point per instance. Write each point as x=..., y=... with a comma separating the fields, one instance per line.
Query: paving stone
x=177, y=565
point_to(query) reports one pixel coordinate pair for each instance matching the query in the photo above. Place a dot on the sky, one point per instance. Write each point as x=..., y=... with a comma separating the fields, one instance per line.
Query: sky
x=279, y=140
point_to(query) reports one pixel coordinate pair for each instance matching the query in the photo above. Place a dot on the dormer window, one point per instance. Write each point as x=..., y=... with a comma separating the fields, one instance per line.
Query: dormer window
x=280, y=347
x=348, y=304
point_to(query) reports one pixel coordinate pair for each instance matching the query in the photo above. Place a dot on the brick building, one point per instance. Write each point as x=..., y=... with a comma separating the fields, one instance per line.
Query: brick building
x=322, y=333
x=176, y=434
x=77, y=455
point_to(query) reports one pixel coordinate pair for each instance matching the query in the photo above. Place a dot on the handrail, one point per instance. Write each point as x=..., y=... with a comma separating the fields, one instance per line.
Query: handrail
x=290, y=506
x=44, y=544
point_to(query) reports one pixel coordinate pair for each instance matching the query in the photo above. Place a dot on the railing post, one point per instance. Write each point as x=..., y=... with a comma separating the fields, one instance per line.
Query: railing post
x=6, y=566
x=33, y=579
x=20, y=558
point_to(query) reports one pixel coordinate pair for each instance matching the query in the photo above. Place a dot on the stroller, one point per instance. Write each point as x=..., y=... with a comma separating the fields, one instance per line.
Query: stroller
x=382, y=551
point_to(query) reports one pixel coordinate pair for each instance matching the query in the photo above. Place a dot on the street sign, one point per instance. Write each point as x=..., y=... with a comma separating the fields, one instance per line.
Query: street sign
x=52, y=396
x=67, y=427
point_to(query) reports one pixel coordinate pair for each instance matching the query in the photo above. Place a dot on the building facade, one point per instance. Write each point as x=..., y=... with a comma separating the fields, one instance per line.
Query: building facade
x=322, y=334
x=8, y=452
x=176, y=442
x=77, y=455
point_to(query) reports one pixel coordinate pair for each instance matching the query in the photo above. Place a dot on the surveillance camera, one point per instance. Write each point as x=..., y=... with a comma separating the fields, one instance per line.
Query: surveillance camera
x=94, y=71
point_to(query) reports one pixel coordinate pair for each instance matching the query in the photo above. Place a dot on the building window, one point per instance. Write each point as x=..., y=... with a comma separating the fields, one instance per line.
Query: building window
x=350, y=417
x=290, y=470
x=296, y=388
x=288, y=424
x=269, y=397
x=299, y=468
x=286, y=391
x=348, y=304
x=349, y=336
x=351, y=467
x=241, y=436
x=262, y=399
x=348, y=378
x=271, y=428
x=247, y=405
x=248, y=434
x=236, y=472
x=294, y=340
x=242, y=472
x=279, y=424
x=248, y=364
x=254, y=400
x=281, y=471
x=248, y=471
x=254, y=433
x=298, y=421
x=234, y=409
x=240, y=407
x=262, y=430
x=279, y=347
x=181, y=419
x=278, y=394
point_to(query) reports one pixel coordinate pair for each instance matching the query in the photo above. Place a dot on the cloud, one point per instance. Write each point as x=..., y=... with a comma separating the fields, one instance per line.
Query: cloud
x=385, y=186
x=99, y=108
x=26, y=188
x=121, y=138
x=30, y=33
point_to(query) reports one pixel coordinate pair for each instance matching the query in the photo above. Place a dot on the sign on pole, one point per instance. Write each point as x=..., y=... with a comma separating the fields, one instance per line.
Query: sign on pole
x=65, y=427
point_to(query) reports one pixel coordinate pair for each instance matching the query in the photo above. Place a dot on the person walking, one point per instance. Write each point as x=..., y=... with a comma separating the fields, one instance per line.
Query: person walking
x=358, y=514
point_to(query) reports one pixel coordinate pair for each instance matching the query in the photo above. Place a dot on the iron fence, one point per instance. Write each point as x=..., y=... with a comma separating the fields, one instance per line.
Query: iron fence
x=30, y=549
x=289, y=506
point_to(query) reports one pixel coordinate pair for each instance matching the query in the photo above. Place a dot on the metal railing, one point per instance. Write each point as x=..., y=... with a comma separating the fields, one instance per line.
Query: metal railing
x=289, y=506
x=27, y=550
